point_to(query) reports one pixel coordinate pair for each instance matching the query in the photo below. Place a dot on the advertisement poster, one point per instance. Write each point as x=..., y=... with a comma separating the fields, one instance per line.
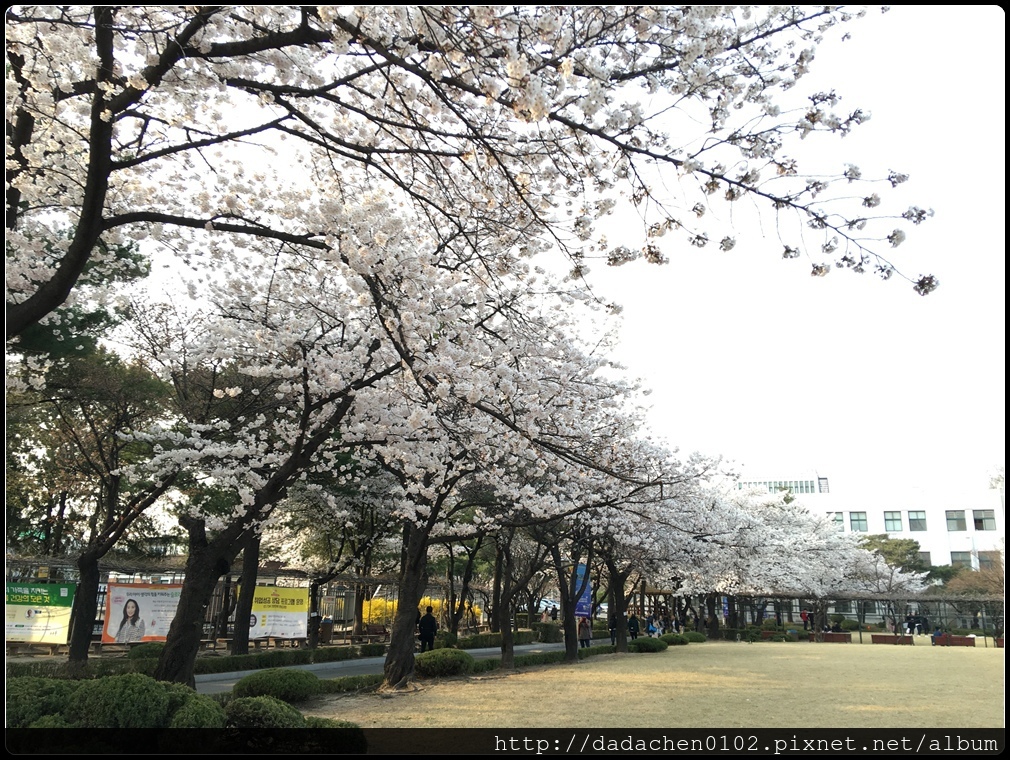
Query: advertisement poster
x=584, y=604
x=281, y=612
x=139, y=612
x=38, y=612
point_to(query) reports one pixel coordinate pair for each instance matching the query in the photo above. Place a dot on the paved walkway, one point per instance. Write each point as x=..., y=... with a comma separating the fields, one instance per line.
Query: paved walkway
x=213, y=683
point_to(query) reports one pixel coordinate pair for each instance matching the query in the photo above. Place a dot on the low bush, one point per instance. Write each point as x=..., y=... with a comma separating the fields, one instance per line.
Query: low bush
x=486, y=640
x=647, y=645
x=347, y=738
x=199, y=711
x=332, y=654
x=127, y=701
x=850, y=625
x=674, y=639
x=769, y=624
x=443, y=662
x=150, y=650
x=548, y=633
x=285, y=684
x=372, y=650
x=262, y=712
x=694, y=637
x=29, y=699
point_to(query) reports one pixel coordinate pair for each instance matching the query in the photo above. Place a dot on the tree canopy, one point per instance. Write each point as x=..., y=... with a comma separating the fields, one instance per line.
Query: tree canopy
x=510, y=129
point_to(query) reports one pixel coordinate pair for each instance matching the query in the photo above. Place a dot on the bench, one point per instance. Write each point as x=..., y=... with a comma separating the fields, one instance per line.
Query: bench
x=373, y=632
x=887, y=638
x=950, y=640
x=832, y=637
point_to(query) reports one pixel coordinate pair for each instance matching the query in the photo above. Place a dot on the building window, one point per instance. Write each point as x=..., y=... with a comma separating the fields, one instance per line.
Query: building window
x=843, y=607
x=917, y=521
x=857, y=522
x=988, y=561
x=961, y=559
x=892, y=521
x=924, y=559
x=822, y=485
x=985, y=519
x=955, y=520
x=839, y=519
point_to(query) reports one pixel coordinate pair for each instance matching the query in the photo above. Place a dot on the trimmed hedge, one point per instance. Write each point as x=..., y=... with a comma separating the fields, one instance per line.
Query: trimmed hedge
x=694, y=637
x=443, y=662
x=123, y=701
x=30, y=698
x=286, y=684
x=127, y=701
x=647, y=645
x=199, y=711
x=262, y=712
x=146, y=651
x=548, y=633
x=488, y=640
x=674, y=639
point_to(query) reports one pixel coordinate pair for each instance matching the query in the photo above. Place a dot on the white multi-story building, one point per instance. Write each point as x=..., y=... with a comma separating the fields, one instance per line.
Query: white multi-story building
x=967, y=530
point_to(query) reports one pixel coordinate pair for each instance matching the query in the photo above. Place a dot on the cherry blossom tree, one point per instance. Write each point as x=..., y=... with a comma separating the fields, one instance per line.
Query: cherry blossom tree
x=519, y=127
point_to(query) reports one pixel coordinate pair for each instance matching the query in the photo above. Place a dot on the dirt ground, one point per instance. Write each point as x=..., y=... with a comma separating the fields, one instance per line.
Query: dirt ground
x=715, y=684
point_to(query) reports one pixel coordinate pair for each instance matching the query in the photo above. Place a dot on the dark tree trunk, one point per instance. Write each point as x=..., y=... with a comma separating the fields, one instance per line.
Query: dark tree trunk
x=203, y=569
x=568, y=623
x=399, y=666
x=226, y=608
x=314, y=619
x=246, y=593
x=713, y=618
x=85, y=609
x=619, y=603
x=496, y=598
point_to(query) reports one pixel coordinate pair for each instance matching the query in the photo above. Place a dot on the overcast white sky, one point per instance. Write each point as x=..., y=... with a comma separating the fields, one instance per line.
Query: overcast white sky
x=863, y=381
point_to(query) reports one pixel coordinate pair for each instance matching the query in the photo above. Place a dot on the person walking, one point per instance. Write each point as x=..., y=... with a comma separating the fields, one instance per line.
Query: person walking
x=633, y=626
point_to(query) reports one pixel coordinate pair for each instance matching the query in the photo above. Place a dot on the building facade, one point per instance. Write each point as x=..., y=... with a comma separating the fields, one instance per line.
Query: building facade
x=966, y=530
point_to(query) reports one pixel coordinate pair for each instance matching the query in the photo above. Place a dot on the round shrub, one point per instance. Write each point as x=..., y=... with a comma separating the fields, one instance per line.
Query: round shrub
x=150, y=650
x=694, y=637
x=674, y=639
x=127, y=701
x=345, y=738
x=30, y=699
x=262, y=712
x=286, y=684
x=647, y=645
x=199, y=711
x=443, y=662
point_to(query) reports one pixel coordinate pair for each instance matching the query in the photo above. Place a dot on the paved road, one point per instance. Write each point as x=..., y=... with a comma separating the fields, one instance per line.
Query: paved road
x=214, y=683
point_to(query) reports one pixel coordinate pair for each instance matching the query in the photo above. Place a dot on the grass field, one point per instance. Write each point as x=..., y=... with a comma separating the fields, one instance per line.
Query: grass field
x=715, y=684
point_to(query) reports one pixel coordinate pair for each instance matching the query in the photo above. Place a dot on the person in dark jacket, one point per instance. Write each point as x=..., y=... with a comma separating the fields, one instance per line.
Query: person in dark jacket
x=427, y=627
x=633, y=626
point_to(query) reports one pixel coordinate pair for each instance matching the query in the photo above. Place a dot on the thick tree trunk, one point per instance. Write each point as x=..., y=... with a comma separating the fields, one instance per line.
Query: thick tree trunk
x=204, y=567
x=399, y=666
x=85, y=609
x=246, y=593
x=567, y=608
